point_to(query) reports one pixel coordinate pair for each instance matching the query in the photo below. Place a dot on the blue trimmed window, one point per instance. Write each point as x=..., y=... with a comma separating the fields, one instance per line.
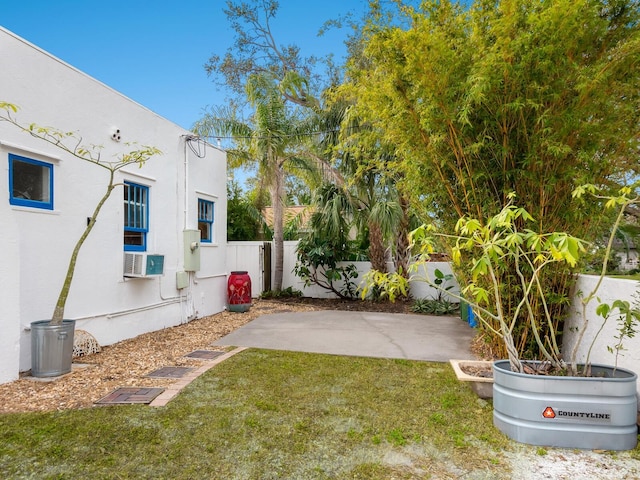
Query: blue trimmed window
x=205, y=220
x=30, y=182
x=136, y=217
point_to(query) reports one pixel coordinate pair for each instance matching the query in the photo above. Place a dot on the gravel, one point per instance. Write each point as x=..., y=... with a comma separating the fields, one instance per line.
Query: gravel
x=530, y=463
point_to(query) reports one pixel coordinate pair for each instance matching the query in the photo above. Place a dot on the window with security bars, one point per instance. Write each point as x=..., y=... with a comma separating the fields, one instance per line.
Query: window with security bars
x=205, y=220
x=136, y=217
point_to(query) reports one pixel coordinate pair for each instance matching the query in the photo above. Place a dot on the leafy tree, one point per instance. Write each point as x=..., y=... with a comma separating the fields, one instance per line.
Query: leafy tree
x=312, y=159
x=383, y=213
x=505, y=96
x=244, y=221
x=328, y=243
x=277, y=82
x=256, y=51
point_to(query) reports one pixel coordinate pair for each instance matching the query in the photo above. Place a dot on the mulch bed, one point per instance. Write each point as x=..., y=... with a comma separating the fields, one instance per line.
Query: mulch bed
x=128, y=363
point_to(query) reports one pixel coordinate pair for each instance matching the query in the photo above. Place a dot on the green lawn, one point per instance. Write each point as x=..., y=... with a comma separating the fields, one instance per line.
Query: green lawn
x=273, y=415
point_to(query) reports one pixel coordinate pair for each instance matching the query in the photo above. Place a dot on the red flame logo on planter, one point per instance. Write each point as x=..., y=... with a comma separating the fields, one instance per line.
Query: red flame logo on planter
x=549, y=413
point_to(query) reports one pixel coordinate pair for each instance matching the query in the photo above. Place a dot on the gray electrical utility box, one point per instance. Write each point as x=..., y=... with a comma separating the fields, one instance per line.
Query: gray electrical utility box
x=191, y=250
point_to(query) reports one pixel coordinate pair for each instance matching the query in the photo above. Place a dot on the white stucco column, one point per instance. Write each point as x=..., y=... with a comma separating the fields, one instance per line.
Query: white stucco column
x=9, y=296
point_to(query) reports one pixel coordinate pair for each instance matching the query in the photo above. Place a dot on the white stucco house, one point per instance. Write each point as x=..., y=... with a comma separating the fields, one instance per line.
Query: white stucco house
x=170, y=213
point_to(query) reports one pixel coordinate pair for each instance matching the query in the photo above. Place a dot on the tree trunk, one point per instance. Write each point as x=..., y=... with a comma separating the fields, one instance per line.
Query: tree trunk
x=377, y=255
x=402, y=253
x=58, y=311
x=277, y=200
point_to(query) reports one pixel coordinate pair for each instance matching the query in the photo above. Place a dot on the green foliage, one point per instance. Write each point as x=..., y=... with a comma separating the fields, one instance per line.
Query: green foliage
x=327, y=244
x=518, y=96
x=269, y=140
x=442, y=281
x=244, y=221
x=431, y=306
x=257, y=50
x=288, y=292
x=318, y=264
x=508, y=96
x=504, y=243
x=628, y=320
x=439, y=305
x=383, y=285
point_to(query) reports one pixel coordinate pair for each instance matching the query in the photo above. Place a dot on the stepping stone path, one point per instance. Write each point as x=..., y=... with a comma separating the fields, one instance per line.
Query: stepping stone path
x=131, y=395
x=170, y=372
x=158, y=397
x=204, y=354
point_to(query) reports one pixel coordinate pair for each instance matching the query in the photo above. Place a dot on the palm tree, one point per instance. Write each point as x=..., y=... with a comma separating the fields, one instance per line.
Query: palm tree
x=268, y=140
x=382, y=213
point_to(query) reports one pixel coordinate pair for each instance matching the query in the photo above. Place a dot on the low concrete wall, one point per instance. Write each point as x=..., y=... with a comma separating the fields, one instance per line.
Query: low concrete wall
x=610, y=290
x=248, y=256
x=421, y=289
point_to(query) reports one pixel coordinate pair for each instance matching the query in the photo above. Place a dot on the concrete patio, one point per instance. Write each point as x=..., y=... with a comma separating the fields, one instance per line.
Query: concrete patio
x=364, y=334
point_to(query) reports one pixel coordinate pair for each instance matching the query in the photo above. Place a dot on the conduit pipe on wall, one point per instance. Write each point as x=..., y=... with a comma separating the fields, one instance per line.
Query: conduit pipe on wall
x=174, y=297
x=186, y=183
x=138, y=309
x=122, y=313
x=186, y=296
x=214, y=275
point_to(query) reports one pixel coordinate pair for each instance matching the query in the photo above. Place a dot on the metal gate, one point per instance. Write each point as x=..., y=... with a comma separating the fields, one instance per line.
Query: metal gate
x=266, y=266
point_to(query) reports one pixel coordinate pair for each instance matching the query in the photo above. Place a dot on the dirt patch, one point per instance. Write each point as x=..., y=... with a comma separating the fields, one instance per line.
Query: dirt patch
x=477, y=371
x=399, y=306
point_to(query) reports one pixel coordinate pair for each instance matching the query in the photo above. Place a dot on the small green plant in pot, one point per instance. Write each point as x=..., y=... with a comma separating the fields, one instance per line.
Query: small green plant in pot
x=56, y=334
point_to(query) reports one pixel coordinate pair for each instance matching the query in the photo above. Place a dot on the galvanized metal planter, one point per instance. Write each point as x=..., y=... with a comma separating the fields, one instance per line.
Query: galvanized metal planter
x=51, y=348
x=597, y=412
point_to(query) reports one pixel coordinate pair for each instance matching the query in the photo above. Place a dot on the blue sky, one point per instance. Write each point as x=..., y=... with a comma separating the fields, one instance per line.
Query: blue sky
x=153, y=51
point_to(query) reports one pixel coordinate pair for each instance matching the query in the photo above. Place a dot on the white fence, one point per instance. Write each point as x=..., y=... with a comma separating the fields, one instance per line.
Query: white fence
x=610, y=290
x=249, y=256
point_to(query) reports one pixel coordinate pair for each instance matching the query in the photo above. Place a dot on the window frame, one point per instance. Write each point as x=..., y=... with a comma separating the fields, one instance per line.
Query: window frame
x=142, y=230
x=210, y=223
x=24, y=202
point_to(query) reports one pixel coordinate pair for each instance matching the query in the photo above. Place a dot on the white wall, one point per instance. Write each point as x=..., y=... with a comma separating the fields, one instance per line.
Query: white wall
x=9, y=295
x=610, y=290
x=247, y=256
x=35, y=244
x=421, y=289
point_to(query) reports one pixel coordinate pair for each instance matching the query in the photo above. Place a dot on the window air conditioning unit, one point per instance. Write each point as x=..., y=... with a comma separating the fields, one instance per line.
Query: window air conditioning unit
x=143, y=265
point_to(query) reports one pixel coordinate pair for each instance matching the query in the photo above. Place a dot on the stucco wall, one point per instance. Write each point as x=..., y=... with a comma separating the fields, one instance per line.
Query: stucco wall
x=248, y=256
x=9, y=295
x=35, y=244
x=610, y=290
